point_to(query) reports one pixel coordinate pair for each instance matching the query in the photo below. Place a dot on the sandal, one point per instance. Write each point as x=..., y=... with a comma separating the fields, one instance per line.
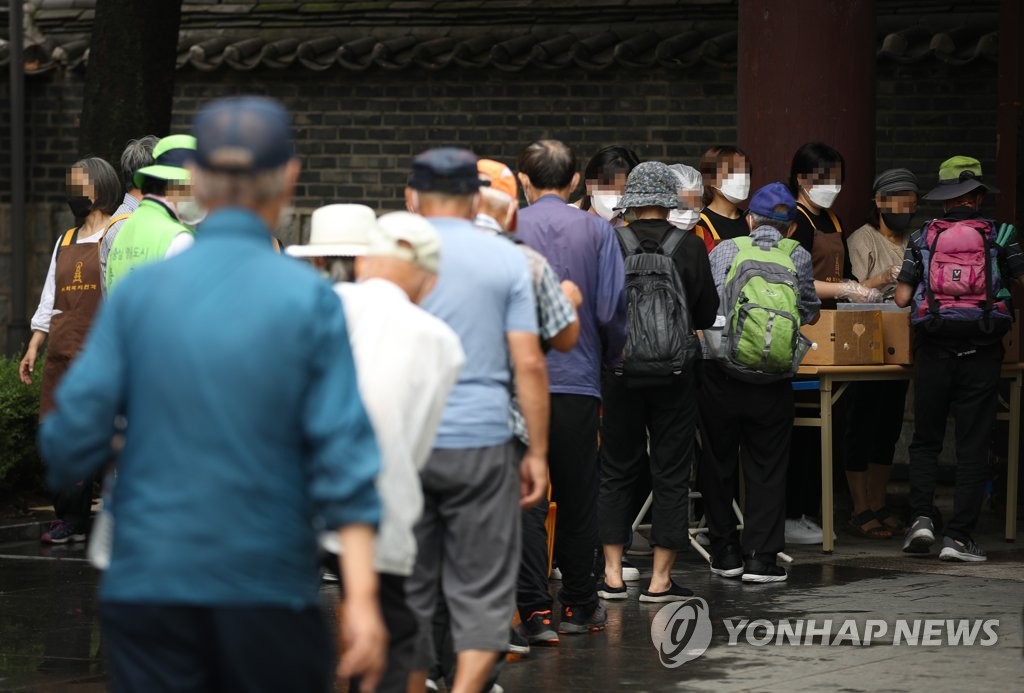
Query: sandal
x=890, y=519
x=857, y=522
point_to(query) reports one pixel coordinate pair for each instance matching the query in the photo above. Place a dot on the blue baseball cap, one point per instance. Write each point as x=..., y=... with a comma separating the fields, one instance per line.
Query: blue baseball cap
x=773, y=201
x=448, y=170
x=243, y=134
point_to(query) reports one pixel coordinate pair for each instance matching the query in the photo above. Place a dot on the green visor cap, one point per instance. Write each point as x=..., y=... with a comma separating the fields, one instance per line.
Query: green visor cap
x=169, y=157
x=958, y=175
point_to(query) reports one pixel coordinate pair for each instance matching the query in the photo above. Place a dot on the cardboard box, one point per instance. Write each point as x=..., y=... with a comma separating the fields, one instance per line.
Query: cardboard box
x=1012, y=340
x=897, y=338
x=845, y=338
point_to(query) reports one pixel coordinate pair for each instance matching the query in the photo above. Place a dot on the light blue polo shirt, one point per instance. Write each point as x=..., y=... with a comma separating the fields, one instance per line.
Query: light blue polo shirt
x=483, y=292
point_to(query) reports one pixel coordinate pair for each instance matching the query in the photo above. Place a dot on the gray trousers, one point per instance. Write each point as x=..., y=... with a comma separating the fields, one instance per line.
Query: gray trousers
x=468, y=544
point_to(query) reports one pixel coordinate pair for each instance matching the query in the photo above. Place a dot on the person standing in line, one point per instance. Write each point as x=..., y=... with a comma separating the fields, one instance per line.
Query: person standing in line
x=659, y=407
x=247, y=436
x=604, y=179
x=155, y=231
x=580, y=247
x=137, y=154
x=475, y=481
x=957, y=285
x=67, y=306
x=747, y=419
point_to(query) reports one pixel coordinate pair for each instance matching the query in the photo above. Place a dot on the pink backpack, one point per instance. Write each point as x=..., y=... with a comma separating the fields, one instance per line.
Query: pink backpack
x=957, y=294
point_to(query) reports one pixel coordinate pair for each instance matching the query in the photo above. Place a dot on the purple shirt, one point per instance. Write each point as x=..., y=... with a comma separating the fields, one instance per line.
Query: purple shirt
x=581, y=247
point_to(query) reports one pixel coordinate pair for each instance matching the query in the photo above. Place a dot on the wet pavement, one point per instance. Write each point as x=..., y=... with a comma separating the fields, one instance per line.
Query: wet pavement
x=50, y=638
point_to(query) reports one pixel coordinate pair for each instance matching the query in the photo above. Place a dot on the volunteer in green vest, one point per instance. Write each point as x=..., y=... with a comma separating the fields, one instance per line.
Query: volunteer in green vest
x=155, y=231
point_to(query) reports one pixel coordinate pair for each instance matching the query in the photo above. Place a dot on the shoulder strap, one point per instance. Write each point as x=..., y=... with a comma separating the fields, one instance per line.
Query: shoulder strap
x=711, y=227
x=788, y=245
x=671, y=241
x=114, y=220
x=69, y=237
x=800, y=208
x=628, y=240
x=835, y=221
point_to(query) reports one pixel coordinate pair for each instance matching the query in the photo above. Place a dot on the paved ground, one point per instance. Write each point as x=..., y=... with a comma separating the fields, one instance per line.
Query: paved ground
x=50, y=640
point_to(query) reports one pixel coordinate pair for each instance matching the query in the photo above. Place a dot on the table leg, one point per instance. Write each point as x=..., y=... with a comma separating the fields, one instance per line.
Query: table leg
x=827, y=511
x=1013, y=459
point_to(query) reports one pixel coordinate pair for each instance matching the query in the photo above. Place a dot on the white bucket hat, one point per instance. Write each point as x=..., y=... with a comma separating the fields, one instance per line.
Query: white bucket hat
x=338, y=231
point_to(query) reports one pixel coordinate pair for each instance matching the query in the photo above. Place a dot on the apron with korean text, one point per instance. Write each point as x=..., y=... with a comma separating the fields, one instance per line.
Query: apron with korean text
x=827, y=254
x=75, y=300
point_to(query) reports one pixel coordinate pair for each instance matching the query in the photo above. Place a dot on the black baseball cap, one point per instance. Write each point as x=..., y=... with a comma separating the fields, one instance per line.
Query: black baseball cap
x=243, y=134
x=448, y=170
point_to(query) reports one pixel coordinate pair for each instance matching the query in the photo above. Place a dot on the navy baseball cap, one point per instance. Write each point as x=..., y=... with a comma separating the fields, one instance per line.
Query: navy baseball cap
x=773, y=201
x=446, y=170
x=243, y=134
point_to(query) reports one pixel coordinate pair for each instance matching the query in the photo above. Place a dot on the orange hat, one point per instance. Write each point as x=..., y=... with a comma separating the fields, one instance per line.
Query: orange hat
x=499, y=175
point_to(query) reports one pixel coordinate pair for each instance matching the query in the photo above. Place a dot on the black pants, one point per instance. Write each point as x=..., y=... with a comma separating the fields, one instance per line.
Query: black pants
x=668, y=414
x=572, y=459
x=153, y=647
x=402, y=629
x=965, y=386
x=757, y=420
x=532, y=584
x=874, y=419
x=74, y=505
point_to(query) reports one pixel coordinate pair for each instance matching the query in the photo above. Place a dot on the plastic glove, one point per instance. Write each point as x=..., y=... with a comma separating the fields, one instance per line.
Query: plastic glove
x=855, y=292
x=894, y=273
x=1007, y=235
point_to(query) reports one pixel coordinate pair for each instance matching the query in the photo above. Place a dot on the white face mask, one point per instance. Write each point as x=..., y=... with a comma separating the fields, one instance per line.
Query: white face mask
x=604, y=204
x=823, y=195
x=684, y=219
x=735, y=187
x=190, y=212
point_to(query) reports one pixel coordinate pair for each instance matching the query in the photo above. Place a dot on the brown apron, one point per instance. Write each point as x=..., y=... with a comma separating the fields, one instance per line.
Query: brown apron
x=827, y=254
x=76, y=296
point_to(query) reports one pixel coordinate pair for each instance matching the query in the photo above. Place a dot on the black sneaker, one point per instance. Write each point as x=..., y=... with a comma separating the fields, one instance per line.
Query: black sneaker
x=537, y=629
x=576, y=620
x=612, y=593
x=728, y=562
x=674, y=593
x=966, y=551
x=755, y=570
x=920, y=535
x=517, y=643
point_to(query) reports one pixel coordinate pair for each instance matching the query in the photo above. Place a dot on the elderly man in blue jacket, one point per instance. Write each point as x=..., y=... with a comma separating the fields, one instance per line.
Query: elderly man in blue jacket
x=246, y=434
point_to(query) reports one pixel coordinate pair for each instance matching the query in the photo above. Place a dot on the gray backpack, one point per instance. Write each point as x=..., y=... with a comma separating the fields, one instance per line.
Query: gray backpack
x=660, y=342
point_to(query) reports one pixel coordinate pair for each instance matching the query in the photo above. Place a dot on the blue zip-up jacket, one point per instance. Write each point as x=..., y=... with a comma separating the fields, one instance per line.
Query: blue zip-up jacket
x=246, y=432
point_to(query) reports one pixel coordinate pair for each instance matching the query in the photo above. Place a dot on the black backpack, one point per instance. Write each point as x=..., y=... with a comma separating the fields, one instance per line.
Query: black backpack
x=660, y=342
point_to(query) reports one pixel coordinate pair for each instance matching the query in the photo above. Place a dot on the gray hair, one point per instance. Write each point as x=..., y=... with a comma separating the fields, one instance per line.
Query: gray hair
x=689, y=178
x=780, y=226
x=216, y=188
x=137, y=154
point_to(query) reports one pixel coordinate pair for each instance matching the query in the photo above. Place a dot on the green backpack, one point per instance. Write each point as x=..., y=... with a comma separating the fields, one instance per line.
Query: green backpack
x=760, y=340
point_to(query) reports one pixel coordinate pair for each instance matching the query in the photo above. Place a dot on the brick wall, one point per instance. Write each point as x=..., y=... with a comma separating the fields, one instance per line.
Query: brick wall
x=357, y=131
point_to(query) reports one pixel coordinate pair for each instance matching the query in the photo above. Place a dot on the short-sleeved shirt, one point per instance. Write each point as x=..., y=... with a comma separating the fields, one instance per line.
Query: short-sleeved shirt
x=713, y=228
x=483, y=292
x=1011, y=263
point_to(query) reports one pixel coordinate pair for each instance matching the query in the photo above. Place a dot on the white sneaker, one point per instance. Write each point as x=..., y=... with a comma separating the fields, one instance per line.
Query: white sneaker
x=556, y=573
x=803, y=531
x=812, y=525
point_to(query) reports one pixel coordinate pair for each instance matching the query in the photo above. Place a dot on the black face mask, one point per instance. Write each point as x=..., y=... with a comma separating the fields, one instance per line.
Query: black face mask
x=80, y=206
x=898, y=222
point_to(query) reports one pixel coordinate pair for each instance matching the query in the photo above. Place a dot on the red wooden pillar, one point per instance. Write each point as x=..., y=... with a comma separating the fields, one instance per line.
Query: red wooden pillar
x=807, y=73
x=1010, y=121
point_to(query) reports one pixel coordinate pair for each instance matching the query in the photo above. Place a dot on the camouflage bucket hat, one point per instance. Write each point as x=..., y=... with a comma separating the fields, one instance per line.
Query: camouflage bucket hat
x=650, y=184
